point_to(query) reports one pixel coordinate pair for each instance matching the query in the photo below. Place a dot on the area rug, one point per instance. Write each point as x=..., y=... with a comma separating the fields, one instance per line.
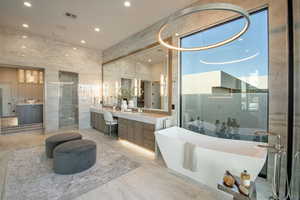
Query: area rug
x=30, y=175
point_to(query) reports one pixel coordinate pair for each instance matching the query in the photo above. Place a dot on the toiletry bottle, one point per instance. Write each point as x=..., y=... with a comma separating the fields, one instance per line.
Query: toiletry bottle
x=234, y=126
x=223, y=130
x=198, y=122
x=202, y=130
x=217, y=127
x=229, y=125
x=245, y=178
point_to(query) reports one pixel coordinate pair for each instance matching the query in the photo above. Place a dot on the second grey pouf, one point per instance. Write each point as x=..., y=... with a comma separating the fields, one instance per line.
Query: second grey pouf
x=55, y=140
x=74, y=156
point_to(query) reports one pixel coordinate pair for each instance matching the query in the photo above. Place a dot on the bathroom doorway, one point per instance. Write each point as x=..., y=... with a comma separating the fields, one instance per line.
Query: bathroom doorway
x=21, y=99
x=68, y=100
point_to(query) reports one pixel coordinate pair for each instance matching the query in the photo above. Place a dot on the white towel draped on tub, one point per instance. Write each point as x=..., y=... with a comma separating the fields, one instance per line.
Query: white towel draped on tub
x=189, y=157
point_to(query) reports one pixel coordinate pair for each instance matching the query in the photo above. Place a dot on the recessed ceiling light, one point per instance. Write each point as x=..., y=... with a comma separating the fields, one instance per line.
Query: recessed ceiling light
x=97, y=29
x=27, y=4
x=149, y=60
x=24, y=36
x=177, y=34
x=83, y=41
x=127, y=4
x=25, y=25
x=23, y=47
x=74, y=48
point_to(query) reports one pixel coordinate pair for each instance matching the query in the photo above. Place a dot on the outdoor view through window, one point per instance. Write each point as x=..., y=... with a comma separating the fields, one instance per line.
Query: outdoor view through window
x=224, y=91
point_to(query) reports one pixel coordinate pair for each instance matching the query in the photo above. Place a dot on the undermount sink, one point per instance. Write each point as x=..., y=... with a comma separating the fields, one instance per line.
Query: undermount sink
x=31, y=101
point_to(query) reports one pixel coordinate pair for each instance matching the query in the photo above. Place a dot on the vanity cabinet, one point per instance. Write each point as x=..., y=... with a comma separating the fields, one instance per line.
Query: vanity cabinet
x=97, y=122
x=122, y=129
x=30, y=114
x=138, y=133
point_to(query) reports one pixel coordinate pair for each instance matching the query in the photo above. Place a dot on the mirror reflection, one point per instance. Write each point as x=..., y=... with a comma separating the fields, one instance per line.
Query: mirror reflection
x=139, y=80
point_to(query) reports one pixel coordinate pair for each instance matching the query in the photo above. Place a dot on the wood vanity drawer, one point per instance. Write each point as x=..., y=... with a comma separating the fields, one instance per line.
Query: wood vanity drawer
x=92, y=119
x=149, y=135
x=122, y=131
x=130, y=133
x=149, y=127
x=138, y=133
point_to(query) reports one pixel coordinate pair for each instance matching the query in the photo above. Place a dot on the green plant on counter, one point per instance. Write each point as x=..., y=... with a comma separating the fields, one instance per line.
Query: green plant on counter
x=126, y=93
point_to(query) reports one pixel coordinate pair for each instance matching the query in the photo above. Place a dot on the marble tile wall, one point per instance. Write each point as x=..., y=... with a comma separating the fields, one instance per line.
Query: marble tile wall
x=278, y=51
x=54, y=56
x=296, y=151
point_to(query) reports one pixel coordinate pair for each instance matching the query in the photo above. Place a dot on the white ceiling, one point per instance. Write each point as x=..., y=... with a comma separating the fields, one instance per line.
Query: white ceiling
x=46, y=17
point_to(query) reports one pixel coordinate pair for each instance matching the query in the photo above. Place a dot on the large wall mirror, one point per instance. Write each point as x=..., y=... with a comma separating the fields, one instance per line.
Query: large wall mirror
x=142, y=78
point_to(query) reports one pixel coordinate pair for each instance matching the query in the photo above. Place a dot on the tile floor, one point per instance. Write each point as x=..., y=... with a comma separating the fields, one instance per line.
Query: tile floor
x=150, y=181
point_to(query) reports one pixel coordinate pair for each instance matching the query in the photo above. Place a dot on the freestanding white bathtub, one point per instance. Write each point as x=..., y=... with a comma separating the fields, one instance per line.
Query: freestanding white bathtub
x=213, y=155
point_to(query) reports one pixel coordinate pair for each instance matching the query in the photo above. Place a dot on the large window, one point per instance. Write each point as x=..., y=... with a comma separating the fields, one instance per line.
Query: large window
x=224, y=91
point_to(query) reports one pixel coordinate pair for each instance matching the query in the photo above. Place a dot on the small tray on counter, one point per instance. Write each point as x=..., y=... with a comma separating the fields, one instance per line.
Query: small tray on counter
x=234, y=191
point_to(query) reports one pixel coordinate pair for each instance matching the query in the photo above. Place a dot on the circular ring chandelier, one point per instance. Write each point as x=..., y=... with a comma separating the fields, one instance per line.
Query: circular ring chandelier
x=194, y=9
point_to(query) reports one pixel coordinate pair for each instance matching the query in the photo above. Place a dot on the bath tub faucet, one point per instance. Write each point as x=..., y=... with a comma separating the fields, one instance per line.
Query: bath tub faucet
x=277, y=147
x=278, y=150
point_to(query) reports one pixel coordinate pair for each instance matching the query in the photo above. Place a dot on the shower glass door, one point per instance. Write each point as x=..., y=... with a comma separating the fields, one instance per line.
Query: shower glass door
x=68, y=100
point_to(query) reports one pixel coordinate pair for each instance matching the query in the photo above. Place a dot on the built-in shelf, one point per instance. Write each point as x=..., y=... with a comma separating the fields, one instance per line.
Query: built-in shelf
x=30, y=76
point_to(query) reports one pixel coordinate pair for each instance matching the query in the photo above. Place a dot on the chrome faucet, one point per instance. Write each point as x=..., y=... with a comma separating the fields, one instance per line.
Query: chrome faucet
x=278, y=150
x=278, y=147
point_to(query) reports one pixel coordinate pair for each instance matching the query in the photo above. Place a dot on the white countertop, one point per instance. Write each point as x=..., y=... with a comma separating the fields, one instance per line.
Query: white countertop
x=151, y=118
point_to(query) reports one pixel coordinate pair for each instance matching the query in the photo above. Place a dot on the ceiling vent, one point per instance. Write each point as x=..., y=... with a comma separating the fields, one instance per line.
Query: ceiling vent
x=73, y=16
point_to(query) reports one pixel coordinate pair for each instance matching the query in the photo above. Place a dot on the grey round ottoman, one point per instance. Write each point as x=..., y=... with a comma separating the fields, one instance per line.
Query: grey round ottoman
x=55, y=140
x=74, y=156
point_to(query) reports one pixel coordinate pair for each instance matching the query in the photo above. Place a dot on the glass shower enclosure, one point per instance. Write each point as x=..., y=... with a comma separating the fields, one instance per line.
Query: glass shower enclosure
x=68, y=100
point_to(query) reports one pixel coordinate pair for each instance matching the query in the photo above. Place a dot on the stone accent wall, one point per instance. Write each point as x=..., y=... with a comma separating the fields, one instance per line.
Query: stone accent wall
x=296, y=139
x=53, y=56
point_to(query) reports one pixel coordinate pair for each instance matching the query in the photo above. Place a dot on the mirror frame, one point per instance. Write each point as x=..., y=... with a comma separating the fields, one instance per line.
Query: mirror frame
x=170, y=79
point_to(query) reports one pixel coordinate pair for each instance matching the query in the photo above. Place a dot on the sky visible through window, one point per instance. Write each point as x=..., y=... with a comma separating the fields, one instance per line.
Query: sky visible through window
x=242, y=57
